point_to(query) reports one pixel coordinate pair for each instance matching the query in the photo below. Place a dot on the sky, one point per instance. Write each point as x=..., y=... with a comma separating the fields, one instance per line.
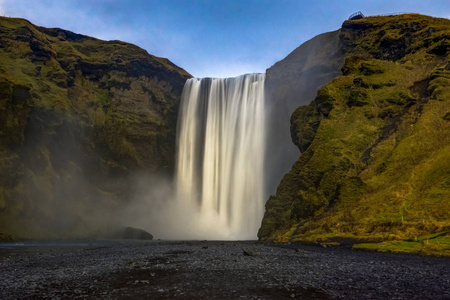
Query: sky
x=210, y=38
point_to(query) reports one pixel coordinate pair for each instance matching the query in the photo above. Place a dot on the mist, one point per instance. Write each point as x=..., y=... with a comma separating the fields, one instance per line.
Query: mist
x=156, y=209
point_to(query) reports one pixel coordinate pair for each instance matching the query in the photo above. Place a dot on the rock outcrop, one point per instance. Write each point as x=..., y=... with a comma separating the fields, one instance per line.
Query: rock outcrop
x=292, y=82
x=78, y=117
x=375, y=141
x=136, y=234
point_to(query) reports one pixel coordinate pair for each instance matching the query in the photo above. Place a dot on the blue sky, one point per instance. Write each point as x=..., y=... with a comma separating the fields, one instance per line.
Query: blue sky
x=210, y=38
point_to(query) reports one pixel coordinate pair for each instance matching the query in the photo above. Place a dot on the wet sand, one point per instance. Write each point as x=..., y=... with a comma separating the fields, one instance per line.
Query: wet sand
x=214, y=270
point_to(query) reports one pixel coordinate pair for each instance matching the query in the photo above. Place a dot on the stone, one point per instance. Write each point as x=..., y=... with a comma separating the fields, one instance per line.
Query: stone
x=248, y=252
x=136, y=234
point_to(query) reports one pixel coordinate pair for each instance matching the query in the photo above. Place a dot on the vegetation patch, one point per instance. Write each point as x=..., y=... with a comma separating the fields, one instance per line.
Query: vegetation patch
x=436, y=246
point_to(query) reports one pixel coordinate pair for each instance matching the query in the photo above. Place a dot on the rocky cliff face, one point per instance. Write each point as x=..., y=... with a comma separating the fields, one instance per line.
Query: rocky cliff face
x=78, y=117
x=375, y=141
x=292, y=82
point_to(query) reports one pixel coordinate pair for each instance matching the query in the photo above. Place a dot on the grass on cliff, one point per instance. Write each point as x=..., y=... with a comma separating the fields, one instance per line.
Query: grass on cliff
x=436, y=245
x=21, y=71
x=406, y=181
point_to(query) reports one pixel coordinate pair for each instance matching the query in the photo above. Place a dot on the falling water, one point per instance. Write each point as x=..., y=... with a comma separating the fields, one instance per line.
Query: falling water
x=221, y=153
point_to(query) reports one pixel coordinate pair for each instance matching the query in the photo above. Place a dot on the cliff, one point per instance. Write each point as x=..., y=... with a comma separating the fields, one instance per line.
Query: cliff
x=375, y=144
x=292, y=82
x=78, y=117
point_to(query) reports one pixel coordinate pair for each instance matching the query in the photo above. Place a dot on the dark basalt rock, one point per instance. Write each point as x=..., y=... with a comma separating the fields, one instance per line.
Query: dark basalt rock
x=249, y=252
x=136, y=234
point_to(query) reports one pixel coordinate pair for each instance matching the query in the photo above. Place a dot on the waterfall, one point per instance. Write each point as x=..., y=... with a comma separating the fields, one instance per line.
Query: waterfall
x=220, y=153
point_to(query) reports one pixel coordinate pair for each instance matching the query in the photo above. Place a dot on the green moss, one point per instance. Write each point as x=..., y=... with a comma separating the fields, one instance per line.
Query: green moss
x=439, y=246
x=358, y=97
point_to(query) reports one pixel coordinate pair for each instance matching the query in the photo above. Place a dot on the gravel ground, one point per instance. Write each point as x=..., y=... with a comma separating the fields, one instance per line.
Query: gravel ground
x=214, y=270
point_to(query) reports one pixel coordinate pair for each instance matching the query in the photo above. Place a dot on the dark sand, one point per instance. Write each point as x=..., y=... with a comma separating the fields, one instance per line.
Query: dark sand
x=214, y=270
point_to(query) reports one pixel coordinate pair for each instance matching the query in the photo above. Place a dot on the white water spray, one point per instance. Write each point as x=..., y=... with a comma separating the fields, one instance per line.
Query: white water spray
x=220, y=175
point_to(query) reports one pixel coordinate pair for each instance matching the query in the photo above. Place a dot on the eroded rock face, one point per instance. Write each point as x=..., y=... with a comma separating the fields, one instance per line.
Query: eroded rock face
x=79, y=116
x=375, y=140
x=292, y=82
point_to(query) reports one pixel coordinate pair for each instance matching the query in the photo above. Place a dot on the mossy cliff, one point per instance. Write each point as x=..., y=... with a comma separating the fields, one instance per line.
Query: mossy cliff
x=375, y=142
x=78, y=117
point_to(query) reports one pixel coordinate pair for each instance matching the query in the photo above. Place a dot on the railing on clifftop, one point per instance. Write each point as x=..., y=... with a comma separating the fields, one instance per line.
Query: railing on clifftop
x=357, y=15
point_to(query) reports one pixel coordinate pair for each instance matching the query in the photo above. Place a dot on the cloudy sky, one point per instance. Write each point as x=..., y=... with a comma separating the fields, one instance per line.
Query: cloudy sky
x=210, y=38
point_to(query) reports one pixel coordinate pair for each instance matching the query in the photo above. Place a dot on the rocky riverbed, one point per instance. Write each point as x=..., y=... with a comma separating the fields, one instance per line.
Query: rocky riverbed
x=214, y=270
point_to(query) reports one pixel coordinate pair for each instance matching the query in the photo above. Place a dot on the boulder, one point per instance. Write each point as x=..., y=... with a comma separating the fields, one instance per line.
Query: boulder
x=136, y=234
x=249, y=252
